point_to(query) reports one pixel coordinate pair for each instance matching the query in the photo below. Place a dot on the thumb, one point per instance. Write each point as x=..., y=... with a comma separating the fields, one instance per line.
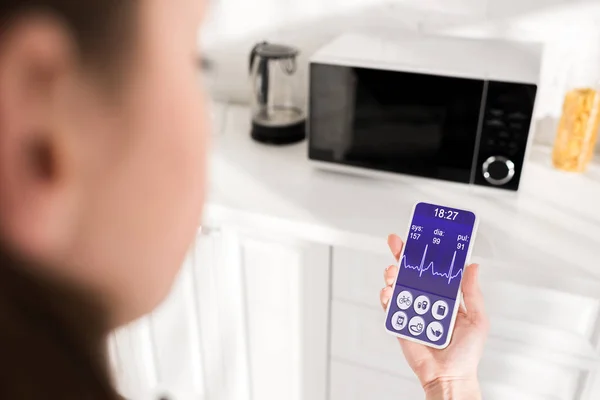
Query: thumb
x=472, y=292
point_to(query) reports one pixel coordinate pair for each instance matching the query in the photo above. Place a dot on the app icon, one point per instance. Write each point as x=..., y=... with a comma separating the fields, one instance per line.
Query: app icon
x=435, y=331
x=416, y=326
x=399, y=320
x=440, y=310
x=404, y=300
x=422, y=305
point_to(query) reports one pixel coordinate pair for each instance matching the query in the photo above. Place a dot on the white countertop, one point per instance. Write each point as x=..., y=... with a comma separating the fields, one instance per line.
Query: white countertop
x=548, y=233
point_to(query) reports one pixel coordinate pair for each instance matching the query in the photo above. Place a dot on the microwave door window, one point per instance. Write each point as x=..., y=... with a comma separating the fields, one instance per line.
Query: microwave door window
x=406, y=134
x=424, y=125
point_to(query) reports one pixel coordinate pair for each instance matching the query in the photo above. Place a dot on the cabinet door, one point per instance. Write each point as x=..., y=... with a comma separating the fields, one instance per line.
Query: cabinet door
x=247, y=318
x=131, y=356
x=193, y=346
x=286, y=286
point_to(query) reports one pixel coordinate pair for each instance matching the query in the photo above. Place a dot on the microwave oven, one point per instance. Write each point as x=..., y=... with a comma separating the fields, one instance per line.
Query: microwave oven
x=437, y=107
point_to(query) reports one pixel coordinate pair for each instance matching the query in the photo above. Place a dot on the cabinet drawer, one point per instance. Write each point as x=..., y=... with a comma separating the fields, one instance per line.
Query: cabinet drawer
x=540, y=317
x=350, y=382
x=358, y=337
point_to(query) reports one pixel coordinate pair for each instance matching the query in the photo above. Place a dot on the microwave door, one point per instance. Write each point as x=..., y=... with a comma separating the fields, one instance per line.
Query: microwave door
x=417, y=124
x=406, y=135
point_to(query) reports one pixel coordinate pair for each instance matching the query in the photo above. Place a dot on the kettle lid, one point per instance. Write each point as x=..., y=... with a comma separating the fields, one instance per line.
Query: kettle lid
x=275, y=51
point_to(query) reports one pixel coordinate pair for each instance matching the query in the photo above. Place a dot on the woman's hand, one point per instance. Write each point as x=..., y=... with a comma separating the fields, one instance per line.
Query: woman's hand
x=450, y=373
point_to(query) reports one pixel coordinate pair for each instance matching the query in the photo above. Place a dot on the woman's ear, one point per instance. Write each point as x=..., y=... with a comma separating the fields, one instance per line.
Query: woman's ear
x=37, y=61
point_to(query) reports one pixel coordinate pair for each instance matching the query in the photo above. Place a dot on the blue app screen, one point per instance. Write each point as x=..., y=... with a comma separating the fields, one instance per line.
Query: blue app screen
x=430, y=272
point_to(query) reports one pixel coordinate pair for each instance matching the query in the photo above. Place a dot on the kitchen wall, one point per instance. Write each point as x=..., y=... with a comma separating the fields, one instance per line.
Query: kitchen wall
x=566, y=27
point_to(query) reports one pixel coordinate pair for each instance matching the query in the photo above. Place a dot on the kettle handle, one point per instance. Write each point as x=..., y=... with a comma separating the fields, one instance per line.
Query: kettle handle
x=253, y=55
x=263, y=74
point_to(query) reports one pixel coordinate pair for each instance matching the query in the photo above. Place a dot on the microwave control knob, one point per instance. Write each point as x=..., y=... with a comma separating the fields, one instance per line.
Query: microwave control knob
x=498, y=170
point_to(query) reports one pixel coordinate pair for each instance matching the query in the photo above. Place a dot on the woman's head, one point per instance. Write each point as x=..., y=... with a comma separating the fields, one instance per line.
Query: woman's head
x=102, y=143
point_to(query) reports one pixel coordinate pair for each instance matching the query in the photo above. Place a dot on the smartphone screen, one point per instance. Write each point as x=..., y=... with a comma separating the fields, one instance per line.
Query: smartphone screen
x=426, y=294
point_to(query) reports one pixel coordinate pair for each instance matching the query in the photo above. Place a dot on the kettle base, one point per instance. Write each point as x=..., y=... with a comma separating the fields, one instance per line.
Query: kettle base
x=279, y=135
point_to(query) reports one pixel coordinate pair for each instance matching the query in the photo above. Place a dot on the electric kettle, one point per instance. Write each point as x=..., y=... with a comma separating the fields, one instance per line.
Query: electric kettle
x=277, y=116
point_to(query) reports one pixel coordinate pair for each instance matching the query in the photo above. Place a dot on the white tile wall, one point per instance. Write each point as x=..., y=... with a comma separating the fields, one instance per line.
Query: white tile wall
x=233, y=26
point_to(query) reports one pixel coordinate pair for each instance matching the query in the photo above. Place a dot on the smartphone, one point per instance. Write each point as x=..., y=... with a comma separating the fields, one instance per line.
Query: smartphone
x=427, y=290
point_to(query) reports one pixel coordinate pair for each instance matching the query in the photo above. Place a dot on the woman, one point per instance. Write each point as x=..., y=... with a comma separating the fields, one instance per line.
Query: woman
x=102, y=159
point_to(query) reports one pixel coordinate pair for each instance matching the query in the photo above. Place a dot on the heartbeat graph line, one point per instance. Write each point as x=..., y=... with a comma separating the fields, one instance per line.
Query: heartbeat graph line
x=431, y=267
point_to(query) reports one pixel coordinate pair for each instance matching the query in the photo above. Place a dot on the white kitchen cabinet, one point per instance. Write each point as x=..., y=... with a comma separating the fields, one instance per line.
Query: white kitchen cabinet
x=131, y=357
x=169, y=351
x=286, y=285
x=542, y=342
x=247, y=319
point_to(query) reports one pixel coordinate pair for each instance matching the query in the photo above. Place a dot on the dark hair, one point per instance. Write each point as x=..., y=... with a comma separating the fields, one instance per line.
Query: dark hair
x=53, y=336
x=101, y=28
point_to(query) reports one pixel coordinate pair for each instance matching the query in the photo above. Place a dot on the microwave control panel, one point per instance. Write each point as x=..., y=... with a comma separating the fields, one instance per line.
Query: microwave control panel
x=506, y=124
